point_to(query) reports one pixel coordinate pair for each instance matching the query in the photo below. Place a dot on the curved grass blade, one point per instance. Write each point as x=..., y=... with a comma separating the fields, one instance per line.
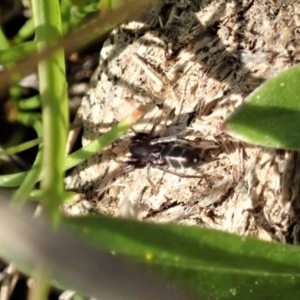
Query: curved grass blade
x=14, y=180
x=71, y=263
x=270, y=116
x=214, y=265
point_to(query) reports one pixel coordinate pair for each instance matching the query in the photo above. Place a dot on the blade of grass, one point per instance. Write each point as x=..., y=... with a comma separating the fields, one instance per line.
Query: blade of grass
x=210, y=263
x=106, y=139
x=21, y=147
x=52, y=81
x=17, y=52
x=72, y=263
x=33, y=174
x=14, y=89
x=25, y=32
x=86, y=152
x=4, y=44
x=40, y=288
x=270, y=115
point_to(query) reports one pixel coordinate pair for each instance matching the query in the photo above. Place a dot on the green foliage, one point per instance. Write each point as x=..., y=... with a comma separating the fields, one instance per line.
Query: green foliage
x=75, y=13
x=75, y=158
x=17, y=52
x=212, y=264
x=270, y=116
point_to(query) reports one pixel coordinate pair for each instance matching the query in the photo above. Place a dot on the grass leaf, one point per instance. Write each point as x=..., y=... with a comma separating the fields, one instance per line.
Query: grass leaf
x=210, y=263
x=270, y=116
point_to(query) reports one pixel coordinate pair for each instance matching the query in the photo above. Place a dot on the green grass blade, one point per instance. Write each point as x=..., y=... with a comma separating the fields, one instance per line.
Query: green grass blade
x=72, y=264
x=53, y=93
x=270, y=116
x=15, y=53
x=20, y=147
x=103, y=141
x=213, y=264
x=86, y=152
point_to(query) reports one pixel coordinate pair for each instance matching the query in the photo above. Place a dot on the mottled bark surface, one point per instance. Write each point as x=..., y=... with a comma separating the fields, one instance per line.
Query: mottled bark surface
x=192, y=63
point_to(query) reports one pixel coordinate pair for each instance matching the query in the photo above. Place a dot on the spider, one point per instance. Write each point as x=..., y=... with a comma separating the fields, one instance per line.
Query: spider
x=148, y=151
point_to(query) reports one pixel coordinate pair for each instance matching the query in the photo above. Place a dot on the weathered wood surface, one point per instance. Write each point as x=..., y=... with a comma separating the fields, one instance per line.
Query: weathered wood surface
x=192, y=64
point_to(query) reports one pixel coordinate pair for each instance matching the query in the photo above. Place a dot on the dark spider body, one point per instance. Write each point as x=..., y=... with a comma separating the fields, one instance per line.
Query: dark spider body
x=143, y=153
x=158, y=152
x=179, y=156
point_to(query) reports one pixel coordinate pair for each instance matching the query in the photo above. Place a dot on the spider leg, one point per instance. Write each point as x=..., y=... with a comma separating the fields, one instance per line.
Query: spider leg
x=152, y=131
x=121, y=162
x=148, y=135
x=136, y=164
x=135, y=132
x=128, y=168
x=130, y=163
x=148, y=177
x=169, y=139
x=177, y=173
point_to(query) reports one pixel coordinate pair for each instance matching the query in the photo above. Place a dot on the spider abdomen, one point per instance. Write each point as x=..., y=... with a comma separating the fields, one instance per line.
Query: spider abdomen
x=179, y=156
x=152, y=151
